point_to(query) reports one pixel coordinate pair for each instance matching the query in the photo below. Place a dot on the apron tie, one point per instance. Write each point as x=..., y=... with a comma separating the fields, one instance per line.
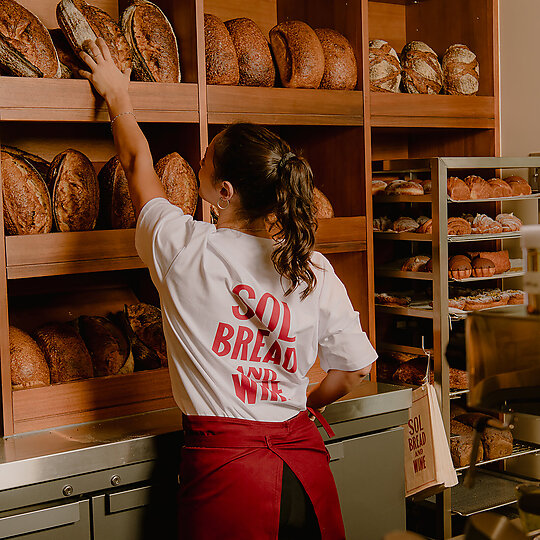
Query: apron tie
x=322, y=420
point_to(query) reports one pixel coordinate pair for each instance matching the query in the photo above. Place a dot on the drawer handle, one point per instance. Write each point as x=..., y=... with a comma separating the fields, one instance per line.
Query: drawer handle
x=336, y=451
x=39, y=520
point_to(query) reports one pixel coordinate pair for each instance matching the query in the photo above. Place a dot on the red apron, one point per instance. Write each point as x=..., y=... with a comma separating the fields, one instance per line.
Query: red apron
x=230, y=477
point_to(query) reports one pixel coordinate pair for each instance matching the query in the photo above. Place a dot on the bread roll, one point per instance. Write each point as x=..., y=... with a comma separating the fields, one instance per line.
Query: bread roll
x=404, y=187
x=386, y=368
x=458, y=226
x=26, y=200
x=499, y=188
x=179, y=182
x=81, y=22
x=457, y=189
x=221, y=60
x=480, y=189
x=28, y=365
x=339, y=61
x=323, y=206
x=421, y=72
x=73, y=185
x=145, y=320
x=384, y=67
x=500, y=259
x=65, y=352
x=299, y=54
x=460, y=71
x=255, y=63
x=153, y=43
x=26, y=48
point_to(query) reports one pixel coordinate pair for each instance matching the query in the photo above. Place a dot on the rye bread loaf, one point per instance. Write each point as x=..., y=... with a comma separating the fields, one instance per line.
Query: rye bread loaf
x=26, y=48
x=153, y=43
x=26, y=200
x=255, y=63
x=460, y=69
x=179, y=182
x=299, y=54
x=384, y=67
x=81, y=22
x=108, y=347
x=116, y=209
x=461, y=444
x=340, y=72
x=421, y=71
x=28, y=365
x=65, y=352
x=221, y=60
x=74, y=188
x=40, y=164
x=323, y=207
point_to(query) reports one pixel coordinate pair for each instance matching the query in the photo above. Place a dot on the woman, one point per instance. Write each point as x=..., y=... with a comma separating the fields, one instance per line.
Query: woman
x=247, y=306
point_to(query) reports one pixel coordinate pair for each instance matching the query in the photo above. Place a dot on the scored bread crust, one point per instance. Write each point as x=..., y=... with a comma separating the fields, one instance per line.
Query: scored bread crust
x=340, y=72
x=220, y=54
x=28, y=365
x=26, y=48
x=384, y=67
x=299, y=54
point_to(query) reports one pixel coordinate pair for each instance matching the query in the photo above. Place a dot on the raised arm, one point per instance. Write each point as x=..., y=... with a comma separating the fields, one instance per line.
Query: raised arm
x=131, y=144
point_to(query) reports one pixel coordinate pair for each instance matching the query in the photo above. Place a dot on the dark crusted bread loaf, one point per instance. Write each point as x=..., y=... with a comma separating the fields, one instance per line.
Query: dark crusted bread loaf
x=384, y=67
x=421, y=72
x=81, y=22
x=26, y=200
x=323, y=206
x=221, y=60
x=152, y=40
x=145, y=320
x=253, y=52
x=179, y=182
x=26, y=48
x=116, y=209
x=299, y=54
x=69, y=63
x=340, y=72
x=28, y=365
x=461, y=443
x=74, y=188
x=65, y=352
x=460, y=71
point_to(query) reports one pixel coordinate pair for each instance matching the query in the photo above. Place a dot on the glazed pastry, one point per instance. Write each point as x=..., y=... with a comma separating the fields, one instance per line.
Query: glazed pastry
x=483, y=224
x=458, y=226
x=377, y=186
x=457, y=189
x=509, y=222
x=405, y=224
x=500, y=188
x=415, y=264
x=515, y=296
x=459, y=267
x=480, y=189
x=483, y=267
x=404, y=187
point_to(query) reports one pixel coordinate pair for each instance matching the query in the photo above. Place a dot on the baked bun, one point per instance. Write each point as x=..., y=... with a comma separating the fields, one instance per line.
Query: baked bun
x=509, y=222
x=377, y=186
x=457, y=189
x=405, y=224
x=483, y=224
x=480, y=189
x=255, y=62
x=28, y=365
x=384, y=67
x=499, y=188
x=458, y=226
x=483, y=267
x=459, y=267
x=404, y=187
x=340, y=71
x=415, y=264
x=421, y=72
x=298, y=53
x=460, y=71
x=323, y=207
x=220, y=54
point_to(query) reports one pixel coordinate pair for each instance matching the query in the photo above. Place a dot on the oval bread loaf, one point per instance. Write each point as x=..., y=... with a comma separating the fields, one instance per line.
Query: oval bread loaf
x=340, y=71
x=299, y=54
x=28, y=365
x=74, y=188
x=323, y=206
x=255, y=63
x=221, y=60
x=460, y=69
x=26, y=200
x=41, y=165
x=26, y=48
x=421, y=72
x=384, y=67
x=153, y=43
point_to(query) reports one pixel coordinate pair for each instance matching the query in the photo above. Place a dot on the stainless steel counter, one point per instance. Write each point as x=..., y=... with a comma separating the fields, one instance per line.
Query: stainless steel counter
x=75, y=450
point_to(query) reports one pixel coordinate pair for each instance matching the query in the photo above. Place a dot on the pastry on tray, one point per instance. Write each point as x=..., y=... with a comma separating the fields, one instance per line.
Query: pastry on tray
x=392, y=299
x=483, y=224
x=509, y=222
x=458, y=226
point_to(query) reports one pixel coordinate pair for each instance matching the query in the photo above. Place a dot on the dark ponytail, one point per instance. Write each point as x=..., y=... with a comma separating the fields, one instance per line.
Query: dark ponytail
x=274, y=183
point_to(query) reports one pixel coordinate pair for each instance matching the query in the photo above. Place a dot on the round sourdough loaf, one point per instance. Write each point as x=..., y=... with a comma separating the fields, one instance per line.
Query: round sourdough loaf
x=221, y=60
x=384, y=67
x=323, y=207
x=81, y=22
x=28, y=365
x=460, y=69
x=255, y=63
x=116, y=209
x=299, y=54
x=179, y=182
x=65, y=352
x=340, y=71
x=41, y=165
x=73, y=185
x=421, y=72
x=153, y=43
x=26, y=200
x=26, y=48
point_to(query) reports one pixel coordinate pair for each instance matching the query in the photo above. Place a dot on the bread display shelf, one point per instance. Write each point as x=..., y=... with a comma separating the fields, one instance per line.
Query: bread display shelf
x=516, y=270
x=495, y=199
x=71, y=100
x=391, y=235
x=432, y=111
x=381, y=198
x=423, y=311
x=480, y=237
x=290, y=106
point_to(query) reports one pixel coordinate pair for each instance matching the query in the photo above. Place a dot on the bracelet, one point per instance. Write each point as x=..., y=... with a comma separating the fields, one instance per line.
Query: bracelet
x=121, y=114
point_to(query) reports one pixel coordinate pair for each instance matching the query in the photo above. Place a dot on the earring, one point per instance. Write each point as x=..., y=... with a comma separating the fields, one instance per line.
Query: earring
x=223, y=206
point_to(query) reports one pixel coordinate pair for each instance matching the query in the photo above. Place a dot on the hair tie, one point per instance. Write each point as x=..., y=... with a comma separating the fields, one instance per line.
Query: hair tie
x=287, y=157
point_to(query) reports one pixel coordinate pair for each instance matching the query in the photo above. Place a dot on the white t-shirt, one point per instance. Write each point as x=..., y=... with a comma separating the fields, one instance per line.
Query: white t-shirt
x=237, y=346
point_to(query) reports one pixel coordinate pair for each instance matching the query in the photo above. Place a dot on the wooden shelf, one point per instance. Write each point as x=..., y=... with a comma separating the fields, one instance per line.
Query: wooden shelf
x=290, y=106
x=479, y=237
x=495, y=199
x=401, y=198
x=396, y=273
x=71, y=100
x=391, y=235
x=432, y=111
x=341, y=235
